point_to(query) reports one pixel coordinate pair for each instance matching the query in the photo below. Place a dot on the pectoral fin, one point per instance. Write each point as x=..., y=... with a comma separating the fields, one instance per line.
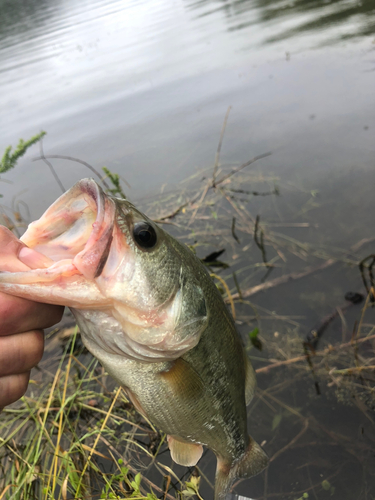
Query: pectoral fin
x=183, y=381
x=186, y=454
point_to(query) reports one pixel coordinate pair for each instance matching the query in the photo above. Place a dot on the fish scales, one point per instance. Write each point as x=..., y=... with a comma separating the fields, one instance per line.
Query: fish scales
x=149, y=311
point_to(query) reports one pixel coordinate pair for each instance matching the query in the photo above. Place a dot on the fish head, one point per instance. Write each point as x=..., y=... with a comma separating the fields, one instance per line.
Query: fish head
x=105, y=255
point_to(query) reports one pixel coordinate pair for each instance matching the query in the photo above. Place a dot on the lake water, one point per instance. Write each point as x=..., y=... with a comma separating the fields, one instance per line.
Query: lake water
x=142, y=87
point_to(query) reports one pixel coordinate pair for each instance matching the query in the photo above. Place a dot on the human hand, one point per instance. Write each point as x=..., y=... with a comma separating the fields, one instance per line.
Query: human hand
x=21, y=321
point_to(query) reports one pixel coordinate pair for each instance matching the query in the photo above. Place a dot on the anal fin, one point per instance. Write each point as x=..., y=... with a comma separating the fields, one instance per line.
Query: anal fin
x=184, y=453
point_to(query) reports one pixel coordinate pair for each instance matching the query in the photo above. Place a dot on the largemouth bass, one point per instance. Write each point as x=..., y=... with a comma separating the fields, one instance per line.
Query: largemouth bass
x=151, y=314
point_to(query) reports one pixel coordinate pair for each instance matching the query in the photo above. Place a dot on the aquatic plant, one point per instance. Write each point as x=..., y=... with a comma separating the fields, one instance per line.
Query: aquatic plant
x=10, y=158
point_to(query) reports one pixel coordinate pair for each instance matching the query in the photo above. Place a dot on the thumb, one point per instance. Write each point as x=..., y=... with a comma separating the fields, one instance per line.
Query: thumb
x=34, y=259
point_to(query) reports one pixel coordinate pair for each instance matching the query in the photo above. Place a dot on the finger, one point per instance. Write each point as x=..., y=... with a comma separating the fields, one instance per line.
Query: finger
x=19, y=353
x=16, y=256
x=12, y=388
x=33, y=259
x=21, y=315
x=10, y=248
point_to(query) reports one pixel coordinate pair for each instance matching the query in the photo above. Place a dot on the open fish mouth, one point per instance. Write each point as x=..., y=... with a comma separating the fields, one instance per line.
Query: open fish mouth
x=77, y=228
x=75, y=233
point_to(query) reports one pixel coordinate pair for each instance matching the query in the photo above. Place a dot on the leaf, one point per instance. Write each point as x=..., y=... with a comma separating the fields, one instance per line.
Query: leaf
x=253, y=335
x=135, y=487
x=326, y=485
x=190, y=486
x=188, y=493
x=194, y=482
x=276, y=421
x=137, y=479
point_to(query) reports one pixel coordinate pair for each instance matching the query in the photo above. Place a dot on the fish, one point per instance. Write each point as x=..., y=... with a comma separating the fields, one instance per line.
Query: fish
x=149, y=311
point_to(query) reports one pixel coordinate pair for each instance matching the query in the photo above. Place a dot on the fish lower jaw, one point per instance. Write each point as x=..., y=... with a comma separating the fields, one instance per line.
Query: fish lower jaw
x=105, y=337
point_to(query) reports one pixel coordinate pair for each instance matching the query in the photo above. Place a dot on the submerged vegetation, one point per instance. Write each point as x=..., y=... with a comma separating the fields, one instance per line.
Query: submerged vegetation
x=75, y=435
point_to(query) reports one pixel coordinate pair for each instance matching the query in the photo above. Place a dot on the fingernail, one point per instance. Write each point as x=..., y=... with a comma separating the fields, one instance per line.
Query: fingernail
x=34, y=259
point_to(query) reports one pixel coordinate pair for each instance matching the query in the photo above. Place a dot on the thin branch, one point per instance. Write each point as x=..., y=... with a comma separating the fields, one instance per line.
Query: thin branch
x=233, y=227
x=205, y=191
x=244, y=165
x=217, y=156
x=42, y=157
x=291, y=443
x=213, y=275
x=283, y=279
x=260, y=244
x=70, y=158
x=177, y=210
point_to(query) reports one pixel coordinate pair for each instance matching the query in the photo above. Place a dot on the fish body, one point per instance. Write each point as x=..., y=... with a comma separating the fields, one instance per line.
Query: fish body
x=151, y=314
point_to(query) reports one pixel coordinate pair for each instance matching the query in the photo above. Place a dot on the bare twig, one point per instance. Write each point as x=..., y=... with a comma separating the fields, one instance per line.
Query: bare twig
x=205, y=191
x=362, y=242
x=217, y=156
x=70, y=158
x=369, y=267
x=283, y=279
x=260, y=244
x=237, y=285
x=42, y=157
x=219, y=278
x=233, y=230
x=177, y=210
x=244, y=165
x=291, y=443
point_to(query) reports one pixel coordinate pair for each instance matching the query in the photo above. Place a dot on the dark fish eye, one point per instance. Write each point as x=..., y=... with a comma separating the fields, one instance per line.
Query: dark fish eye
x=144, y=235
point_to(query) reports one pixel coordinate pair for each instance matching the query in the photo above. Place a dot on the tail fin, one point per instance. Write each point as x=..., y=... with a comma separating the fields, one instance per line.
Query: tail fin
x=250, y=464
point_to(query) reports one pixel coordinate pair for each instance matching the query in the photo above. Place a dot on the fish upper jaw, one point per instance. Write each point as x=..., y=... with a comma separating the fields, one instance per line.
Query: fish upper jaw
x=75, y=233
x=78, y=226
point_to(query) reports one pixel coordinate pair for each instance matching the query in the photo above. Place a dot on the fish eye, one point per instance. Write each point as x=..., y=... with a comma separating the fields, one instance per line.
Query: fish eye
x=144, y=235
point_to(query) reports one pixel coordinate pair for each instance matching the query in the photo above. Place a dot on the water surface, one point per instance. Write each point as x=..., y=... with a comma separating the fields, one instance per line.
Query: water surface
x=143, y=87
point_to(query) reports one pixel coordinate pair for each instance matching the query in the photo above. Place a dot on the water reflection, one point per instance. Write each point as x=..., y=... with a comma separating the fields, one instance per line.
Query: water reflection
x=20, y=19
x=332, y=20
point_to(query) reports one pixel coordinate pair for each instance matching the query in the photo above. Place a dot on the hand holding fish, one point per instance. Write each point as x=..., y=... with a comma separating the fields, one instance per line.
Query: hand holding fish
x=21, y=322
